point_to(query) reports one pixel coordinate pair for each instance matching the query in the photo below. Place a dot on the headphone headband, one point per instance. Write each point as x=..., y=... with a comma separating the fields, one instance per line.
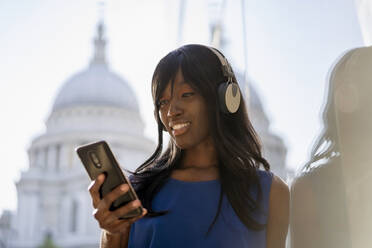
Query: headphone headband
x=226, y=68
x=229, y=93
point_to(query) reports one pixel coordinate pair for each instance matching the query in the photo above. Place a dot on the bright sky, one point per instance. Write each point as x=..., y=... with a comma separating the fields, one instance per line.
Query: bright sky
x=291, y=46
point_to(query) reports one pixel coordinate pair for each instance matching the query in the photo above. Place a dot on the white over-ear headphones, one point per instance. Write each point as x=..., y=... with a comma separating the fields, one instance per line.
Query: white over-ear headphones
x=229, y=92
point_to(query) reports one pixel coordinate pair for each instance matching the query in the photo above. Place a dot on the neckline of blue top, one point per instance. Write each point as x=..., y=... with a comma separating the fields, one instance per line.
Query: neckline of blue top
x=204, y=182
x=193, y=182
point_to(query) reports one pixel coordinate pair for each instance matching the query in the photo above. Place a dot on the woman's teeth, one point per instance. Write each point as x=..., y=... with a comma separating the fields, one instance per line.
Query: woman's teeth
x=179, y=126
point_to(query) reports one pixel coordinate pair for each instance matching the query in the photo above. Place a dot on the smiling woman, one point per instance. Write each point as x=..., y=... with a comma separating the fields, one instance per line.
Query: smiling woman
x=207, y=188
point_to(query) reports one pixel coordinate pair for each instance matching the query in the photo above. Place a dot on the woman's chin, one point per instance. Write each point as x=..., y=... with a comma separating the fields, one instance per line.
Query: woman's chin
x=182, y=144
x=187, y=142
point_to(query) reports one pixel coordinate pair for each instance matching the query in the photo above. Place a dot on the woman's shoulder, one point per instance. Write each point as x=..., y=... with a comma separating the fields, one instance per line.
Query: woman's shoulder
x=265, y=179
x=264, y=174
x=274, y=182
x=279, y=187
x=278, y=221
x=279, y=200
x=276, y=190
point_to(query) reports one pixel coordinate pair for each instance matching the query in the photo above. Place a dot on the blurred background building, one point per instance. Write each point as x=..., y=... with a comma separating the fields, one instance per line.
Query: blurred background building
x=94, y=104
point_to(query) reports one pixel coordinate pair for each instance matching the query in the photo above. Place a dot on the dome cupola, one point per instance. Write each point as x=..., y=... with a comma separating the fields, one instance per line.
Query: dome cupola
x=97, y=85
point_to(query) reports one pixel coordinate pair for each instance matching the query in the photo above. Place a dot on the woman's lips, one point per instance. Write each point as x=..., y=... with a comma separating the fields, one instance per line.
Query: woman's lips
x=181, y=128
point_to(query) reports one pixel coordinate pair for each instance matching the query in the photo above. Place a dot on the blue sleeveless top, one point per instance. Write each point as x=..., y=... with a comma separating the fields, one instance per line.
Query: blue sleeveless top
x=192, y=207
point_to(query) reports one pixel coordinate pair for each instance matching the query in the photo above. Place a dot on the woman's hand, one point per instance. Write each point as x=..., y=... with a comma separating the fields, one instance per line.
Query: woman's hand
x=109, y=220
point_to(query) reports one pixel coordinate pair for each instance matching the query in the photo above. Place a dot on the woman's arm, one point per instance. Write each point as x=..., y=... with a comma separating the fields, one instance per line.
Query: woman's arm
x=278, y=219
x=115, y=231
x=111, y=240
x=114, y=240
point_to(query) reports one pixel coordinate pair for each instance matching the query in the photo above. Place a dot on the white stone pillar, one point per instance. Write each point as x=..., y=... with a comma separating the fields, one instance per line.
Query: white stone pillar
x=27, y=218
x=51, y=158
x=50, y=205
x=63, y=217
x=58, y=158
x=74, y=157
x=31, y=157
x=64, y=157
x=39, y=160
x=45, y=152
x=80, y=213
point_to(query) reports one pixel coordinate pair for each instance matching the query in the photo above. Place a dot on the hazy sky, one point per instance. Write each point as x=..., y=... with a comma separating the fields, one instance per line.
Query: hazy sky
x=291, y=46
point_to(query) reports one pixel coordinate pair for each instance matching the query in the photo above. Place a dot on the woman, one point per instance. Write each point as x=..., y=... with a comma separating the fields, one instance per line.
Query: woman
x=318, y=203
x=205, y=189
x=331, y=197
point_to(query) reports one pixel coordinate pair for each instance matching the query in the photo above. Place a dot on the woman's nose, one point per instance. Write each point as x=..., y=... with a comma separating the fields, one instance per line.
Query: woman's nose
x=174, y=108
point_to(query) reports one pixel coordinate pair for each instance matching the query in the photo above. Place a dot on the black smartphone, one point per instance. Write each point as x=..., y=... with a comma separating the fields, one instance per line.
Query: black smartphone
x=98, y=158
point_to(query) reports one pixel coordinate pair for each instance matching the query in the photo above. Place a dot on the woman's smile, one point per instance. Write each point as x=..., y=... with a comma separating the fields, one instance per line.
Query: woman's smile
x=180, y=128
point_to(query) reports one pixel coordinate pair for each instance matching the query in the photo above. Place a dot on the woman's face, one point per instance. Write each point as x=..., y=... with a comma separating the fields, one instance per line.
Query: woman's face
x=184, y=115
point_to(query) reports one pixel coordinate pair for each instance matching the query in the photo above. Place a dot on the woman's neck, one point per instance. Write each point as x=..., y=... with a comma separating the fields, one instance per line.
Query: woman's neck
x=198, y=164
x=203, y=156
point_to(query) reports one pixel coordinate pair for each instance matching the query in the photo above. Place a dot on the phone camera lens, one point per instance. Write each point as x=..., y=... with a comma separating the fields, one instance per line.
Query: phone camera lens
x=93, y=156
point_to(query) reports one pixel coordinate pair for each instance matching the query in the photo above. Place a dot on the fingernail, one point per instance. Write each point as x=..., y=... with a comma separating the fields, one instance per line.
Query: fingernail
x=123, y=187
x=136, y=203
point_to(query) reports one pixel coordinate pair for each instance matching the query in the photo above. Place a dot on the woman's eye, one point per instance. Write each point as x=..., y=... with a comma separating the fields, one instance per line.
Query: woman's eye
x=162, y=102
x=187, y=94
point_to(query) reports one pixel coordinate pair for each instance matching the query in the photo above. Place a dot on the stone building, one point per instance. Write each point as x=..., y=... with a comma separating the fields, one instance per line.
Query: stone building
x=93, y=104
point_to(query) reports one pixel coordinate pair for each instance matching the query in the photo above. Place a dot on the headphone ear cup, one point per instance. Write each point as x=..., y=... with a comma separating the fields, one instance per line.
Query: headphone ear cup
x=229, y=96
x=222, y=97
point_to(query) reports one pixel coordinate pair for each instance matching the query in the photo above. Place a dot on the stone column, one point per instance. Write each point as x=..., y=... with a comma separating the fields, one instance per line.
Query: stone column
x=51, y=157
x=64, y=157
x=32, y=157
x=27, y=217
x=50, y=205
x=39, y=160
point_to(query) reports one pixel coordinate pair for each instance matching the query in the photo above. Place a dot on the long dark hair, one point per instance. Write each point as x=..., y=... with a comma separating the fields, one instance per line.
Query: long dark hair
x=236, y=142
x=326, y=147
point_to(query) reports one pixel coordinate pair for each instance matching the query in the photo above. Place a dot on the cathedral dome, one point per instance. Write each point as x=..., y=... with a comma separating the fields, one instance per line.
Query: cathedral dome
x=97, y=85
